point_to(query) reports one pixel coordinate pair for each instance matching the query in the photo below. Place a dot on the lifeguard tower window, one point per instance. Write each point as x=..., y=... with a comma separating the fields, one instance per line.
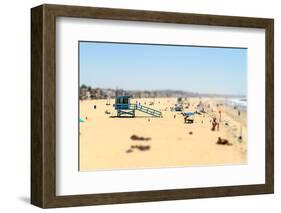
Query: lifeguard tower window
x=123, y=100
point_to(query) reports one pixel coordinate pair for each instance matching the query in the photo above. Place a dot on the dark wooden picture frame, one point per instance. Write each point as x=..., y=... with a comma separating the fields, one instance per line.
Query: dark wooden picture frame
x=43, y=105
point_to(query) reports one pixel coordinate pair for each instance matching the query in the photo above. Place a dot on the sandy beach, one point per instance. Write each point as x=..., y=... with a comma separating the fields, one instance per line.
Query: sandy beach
x=108, y=142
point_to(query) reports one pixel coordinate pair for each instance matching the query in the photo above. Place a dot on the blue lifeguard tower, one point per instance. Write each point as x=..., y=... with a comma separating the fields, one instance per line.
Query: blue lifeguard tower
x=124, y=107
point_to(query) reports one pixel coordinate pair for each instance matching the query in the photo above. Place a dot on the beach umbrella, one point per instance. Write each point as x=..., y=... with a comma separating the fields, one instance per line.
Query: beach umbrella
x=81, y=120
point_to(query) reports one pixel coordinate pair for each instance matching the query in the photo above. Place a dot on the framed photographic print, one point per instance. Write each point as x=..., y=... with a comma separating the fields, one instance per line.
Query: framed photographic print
x=136, y=106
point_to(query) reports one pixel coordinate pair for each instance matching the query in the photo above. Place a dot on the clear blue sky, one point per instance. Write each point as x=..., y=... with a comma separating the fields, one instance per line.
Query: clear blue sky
x=155, y=67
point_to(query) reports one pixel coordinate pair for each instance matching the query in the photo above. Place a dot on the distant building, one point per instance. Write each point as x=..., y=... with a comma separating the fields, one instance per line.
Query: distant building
x=110, y=93
x=96, y=93
x=84, y=94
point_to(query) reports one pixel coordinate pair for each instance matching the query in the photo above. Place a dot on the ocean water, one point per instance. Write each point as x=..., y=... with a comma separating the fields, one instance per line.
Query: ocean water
x=239, y=103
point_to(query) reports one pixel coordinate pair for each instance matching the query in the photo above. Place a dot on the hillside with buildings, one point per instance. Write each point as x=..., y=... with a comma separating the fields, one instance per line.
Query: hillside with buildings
x=88, y=93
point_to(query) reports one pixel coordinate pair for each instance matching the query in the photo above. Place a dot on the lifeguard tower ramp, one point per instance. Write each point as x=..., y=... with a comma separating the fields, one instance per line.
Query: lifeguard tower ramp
x=124, y=107
x=148, y=110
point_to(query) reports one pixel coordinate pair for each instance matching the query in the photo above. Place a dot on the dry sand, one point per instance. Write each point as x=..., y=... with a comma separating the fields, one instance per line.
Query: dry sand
x=105, y=140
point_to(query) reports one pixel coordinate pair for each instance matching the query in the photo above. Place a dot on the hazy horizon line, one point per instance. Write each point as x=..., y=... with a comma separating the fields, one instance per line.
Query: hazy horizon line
x=163, y=90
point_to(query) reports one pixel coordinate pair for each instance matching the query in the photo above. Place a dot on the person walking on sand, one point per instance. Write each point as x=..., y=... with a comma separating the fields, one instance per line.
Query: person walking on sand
x=215, y=124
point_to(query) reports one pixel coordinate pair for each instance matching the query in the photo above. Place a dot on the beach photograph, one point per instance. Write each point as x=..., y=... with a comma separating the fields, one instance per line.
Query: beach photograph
x=151, y=106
